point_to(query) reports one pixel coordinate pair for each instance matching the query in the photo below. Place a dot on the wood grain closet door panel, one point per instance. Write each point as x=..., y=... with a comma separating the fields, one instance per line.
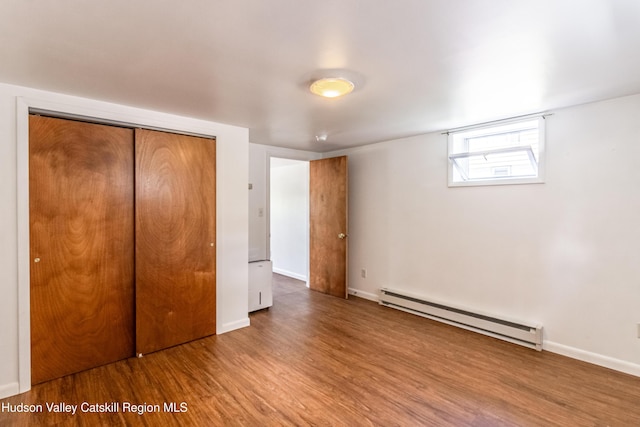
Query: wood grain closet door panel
x=328, y=220
x=175, y=239
x=81, y=243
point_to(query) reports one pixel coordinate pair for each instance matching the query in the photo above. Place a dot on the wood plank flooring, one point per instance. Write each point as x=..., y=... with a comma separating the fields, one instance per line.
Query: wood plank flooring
x=313, y=359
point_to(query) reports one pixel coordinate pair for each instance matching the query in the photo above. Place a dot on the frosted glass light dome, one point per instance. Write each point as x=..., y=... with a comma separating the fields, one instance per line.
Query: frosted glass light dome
x=331, y=87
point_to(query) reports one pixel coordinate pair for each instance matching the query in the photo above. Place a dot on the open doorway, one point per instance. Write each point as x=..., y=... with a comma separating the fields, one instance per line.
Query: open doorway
x=294, y=203
x=289, y=217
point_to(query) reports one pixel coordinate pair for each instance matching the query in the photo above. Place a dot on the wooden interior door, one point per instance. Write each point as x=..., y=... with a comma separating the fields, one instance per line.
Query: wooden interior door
x=328, y=218
x=175, y=239
x=81, y=245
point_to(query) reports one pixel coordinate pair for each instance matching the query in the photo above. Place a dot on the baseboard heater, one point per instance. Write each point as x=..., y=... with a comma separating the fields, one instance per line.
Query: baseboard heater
x=528, y=335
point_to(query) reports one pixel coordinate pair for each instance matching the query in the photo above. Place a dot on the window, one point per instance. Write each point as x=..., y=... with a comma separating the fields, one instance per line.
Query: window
x=508, y=152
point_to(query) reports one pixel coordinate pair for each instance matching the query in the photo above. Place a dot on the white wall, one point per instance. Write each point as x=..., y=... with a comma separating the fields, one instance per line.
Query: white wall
x=258, y=225
x=564, y=253
x=232, y=216
x=289, y=213
x=259, y=176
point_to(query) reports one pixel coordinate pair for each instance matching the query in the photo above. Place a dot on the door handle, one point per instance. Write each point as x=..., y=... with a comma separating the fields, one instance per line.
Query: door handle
x=341, y=236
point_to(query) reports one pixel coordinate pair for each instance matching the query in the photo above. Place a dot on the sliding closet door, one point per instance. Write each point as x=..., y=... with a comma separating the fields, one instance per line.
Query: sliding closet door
x=81, y=240
x=175, y=239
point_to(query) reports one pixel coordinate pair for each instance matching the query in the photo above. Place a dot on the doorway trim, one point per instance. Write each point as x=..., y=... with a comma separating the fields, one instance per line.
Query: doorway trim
x=289, y=154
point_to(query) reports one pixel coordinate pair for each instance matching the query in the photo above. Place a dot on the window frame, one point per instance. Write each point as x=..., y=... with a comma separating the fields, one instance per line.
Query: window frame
x=486, y=130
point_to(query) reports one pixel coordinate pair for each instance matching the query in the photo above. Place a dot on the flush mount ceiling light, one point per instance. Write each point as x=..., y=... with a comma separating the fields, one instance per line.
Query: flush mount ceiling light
x=331, y=87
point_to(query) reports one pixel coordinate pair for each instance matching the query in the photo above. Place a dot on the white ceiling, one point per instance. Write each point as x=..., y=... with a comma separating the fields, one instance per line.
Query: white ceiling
x=419, y=65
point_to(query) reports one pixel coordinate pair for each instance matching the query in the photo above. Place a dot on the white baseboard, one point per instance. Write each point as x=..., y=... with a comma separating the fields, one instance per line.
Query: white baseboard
x=10, y=389
x=553, y=347
x=596, y=359
x=232, y=326
x=365, y=295
x=290, y=274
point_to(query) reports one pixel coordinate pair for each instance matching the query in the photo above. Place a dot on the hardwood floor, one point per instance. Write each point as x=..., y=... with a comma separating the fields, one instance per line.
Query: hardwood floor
x=313, y=359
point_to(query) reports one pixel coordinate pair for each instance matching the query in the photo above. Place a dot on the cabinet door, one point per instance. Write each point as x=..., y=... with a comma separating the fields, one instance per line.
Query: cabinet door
x=81, y=242
x=175, y=239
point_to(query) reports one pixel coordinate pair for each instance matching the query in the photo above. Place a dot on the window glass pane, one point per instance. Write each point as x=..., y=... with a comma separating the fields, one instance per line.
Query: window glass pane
x=511, y=164
x=496, y=153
